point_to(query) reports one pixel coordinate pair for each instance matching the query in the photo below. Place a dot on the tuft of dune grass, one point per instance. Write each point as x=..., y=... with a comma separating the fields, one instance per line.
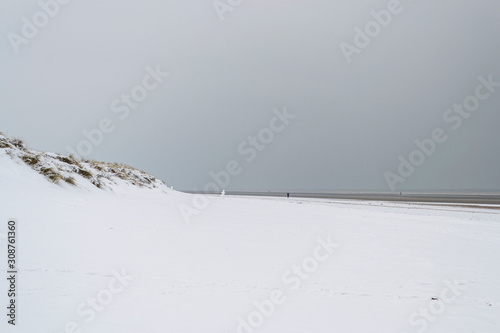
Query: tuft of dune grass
x=70, y=180
x=31, y=160
x=84, y=173
x=51, y=174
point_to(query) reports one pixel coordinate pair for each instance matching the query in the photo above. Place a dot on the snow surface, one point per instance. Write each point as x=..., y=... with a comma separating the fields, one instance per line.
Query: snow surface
x=392, y=259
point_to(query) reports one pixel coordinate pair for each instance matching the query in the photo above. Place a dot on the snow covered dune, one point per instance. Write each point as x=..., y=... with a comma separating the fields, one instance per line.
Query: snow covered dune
x=123, y=259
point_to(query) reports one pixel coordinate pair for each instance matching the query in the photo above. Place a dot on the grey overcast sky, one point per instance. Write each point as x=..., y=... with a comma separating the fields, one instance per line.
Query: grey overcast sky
x=352, y=121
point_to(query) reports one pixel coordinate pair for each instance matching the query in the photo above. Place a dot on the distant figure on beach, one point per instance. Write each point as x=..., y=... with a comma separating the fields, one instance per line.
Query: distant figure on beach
x=288, y=195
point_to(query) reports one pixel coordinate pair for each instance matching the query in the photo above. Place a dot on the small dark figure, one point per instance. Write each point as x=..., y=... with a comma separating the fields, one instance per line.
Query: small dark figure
x=288, y=195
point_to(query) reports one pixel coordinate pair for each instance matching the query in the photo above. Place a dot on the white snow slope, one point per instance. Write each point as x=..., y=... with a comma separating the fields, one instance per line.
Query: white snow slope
x=242, y=264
